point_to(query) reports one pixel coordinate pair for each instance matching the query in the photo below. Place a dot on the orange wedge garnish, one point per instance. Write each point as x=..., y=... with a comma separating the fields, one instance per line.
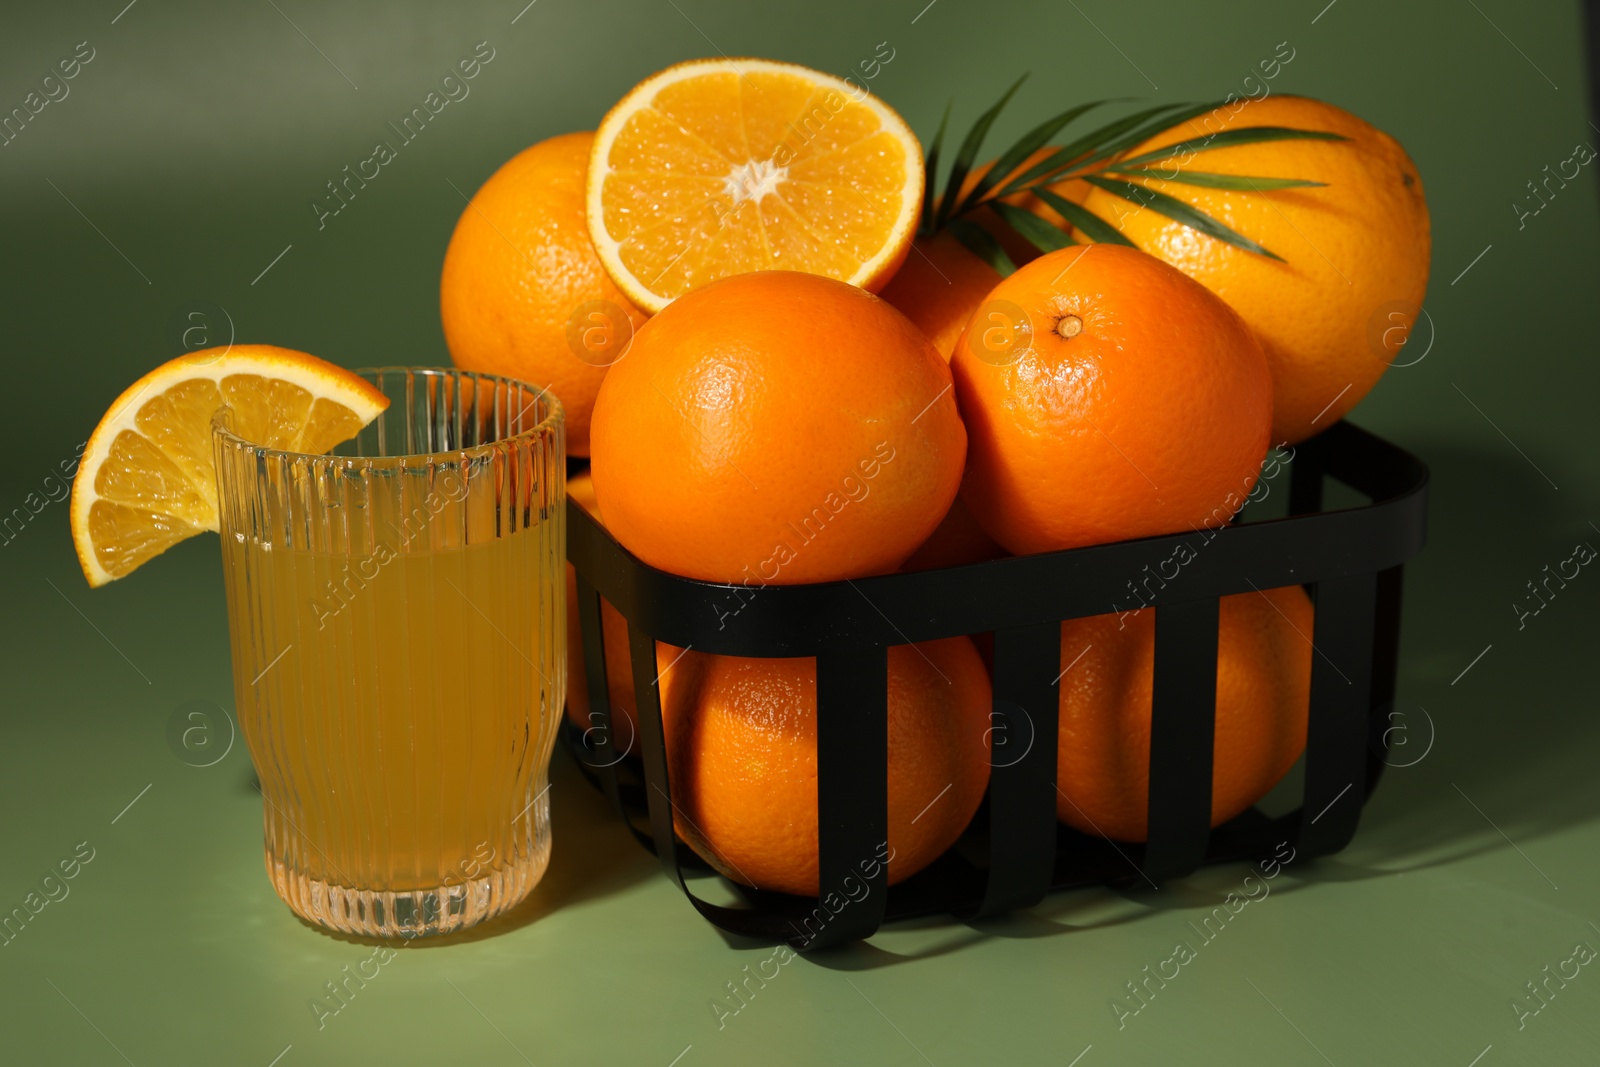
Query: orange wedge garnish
x=147, y=479
x=722, y=166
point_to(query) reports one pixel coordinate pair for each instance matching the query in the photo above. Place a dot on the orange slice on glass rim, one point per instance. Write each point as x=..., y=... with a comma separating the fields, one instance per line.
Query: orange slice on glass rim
x=147, y=479
x=722, y=166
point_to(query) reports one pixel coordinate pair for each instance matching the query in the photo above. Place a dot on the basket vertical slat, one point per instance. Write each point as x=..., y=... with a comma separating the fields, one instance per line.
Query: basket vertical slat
x=601, y=748
x=1022, y=776
x=852, y=793
x=652, y=748
x=1385, y=672
x=1341, y=703
x=599, y=735
x=1182, y=724
x=1305, y=478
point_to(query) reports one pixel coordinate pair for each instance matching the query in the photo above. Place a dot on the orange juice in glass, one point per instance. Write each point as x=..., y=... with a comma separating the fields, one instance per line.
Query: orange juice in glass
x=397, y=619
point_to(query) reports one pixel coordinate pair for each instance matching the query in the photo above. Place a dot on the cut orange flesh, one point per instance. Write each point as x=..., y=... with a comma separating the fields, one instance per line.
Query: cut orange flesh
x=147, y=479
x=722, y=166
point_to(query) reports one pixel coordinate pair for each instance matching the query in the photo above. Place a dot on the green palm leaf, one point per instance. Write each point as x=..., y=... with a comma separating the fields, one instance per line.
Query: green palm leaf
x=982, y=244
x=1095, y=227
x=1178, y=211
x=1242, y=182
x=1139, y=135
x=1229, y=139
x=1042, y=235
x=1093, y=158
x=1014, y=156
x=1068, y=154
x=969, y=152
x=930, y=181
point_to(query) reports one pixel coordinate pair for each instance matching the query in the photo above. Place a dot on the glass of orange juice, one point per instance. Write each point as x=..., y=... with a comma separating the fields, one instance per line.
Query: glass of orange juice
x=397, y=618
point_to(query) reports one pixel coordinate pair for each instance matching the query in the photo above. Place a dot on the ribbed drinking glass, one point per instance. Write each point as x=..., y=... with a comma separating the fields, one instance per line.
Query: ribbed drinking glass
x=397, y=618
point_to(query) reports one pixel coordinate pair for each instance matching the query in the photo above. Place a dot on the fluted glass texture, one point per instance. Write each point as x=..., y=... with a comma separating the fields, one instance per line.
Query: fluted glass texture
x=397, y=622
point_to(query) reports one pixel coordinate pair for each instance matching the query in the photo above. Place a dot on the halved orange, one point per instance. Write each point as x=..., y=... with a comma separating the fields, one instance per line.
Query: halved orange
x=722, y=166
x=147, y=479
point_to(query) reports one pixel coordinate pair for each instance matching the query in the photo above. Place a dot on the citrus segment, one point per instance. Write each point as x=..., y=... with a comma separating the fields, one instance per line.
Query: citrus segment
x=723, y=166
x=147, y=481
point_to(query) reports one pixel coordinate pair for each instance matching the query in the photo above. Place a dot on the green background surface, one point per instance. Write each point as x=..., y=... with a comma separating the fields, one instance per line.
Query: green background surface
x=182, y=163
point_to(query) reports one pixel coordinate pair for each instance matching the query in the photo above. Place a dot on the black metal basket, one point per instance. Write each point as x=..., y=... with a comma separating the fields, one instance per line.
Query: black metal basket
x=1016, y=851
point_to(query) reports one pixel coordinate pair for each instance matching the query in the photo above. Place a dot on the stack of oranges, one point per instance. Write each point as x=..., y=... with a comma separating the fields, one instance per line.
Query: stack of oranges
x=696, y=281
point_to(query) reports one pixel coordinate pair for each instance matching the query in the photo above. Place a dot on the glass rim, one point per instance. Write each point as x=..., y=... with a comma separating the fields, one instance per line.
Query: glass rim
x=555, y=414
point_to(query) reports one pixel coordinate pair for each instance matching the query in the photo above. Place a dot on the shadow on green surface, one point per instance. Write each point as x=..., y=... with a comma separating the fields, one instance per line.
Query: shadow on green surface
x=1501, y=764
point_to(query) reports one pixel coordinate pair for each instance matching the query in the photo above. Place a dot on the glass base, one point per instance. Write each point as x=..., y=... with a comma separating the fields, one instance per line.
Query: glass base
x=410, y=913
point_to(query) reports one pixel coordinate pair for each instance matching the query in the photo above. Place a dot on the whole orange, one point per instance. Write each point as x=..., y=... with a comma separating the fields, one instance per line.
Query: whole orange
x=742, y=754
x=1334, y=312
x=523, y=293
x=777, y=427
x=1263, y=693
x=1107, y=396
